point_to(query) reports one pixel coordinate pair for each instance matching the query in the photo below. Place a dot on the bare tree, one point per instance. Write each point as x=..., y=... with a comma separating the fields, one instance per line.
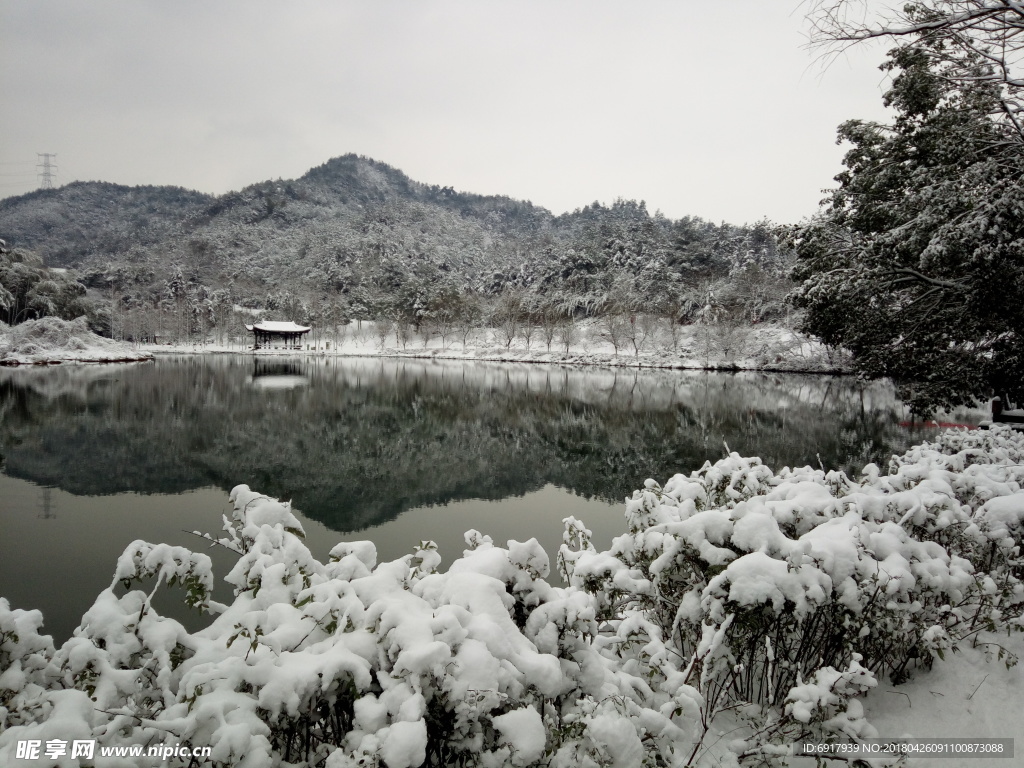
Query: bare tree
x=469, y=318
x=442, y=321
x=616, y=327
x=970, y=42
x=340, y=331
x=527, y=329
x=403, y=333
x=550, y=317
x=507, y=316
x=569, y=333
x=508, y=325
x=383, y=327
x=639, y=330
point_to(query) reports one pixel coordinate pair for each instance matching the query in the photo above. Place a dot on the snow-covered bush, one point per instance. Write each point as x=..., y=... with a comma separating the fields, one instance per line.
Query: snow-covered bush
x=775, y=599
x=51, y=339
x=759, y=588
x=348, y=662
x=24, y=659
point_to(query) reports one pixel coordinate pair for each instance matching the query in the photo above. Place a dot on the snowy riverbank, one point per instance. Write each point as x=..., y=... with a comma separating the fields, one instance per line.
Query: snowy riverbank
x=51, y=340
x=754, y=348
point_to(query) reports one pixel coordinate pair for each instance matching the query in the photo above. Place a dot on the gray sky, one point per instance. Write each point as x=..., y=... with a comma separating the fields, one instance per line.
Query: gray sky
x=700, y=108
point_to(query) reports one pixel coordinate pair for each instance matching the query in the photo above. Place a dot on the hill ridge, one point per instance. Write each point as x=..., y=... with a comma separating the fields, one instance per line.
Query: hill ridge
x=362, y=234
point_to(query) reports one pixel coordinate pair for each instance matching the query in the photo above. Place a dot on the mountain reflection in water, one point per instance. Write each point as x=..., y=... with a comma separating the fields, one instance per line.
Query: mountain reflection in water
x=354, y=442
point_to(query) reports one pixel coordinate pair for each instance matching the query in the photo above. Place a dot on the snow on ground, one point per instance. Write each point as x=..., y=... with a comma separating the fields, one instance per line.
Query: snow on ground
x=760, y=347
x=51, y=340
x=967, y=695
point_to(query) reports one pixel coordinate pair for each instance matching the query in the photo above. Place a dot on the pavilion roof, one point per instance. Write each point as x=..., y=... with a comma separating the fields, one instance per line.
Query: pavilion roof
x=277, y=326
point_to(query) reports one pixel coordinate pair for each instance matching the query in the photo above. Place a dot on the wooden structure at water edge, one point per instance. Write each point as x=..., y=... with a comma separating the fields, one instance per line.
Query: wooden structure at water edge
x=267, y=332
x=1005, y=412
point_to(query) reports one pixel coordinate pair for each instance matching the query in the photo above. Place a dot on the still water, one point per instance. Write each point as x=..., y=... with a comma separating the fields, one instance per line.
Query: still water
x=396, y=451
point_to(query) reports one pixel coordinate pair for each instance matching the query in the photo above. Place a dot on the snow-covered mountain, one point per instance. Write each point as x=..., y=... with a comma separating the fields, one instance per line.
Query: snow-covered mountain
x=357, y=227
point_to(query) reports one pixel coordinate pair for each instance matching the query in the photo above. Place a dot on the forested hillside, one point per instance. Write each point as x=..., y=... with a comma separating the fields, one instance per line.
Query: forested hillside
x=357, y=239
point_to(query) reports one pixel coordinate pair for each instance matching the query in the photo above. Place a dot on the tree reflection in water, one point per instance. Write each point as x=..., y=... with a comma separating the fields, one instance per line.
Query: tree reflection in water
x=354, y=442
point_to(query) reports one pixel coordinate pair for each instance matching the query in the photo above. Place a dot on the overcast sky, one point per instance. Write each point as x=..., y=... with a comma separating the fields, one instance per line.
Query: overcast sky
x=710, y=109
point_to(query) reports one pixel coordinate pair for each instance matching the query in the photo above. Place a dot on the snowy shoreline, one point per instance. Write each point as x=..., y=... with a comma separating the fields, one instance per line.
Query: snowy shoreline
x=768, y=349
x=87, y=360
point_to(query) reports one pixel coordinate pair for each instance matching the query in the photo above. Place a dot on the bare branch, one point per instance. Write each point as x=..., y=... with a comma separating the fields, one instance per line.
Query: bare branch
x=971, y=41
x=915, y=276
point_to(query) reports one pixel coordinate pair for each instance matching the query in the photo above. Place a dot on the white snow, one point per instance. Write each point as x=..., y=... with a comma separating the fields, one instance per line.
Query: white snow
x=277, y=326
x=760, y=347
x=523, y=730
x=51, y=340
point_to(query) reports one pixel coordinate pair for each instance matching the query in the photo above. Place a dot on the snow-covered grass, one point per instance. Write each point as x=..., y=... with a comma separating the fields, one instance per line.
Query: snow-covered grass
x=741, y=611
x=588, y=342
x=52, y=340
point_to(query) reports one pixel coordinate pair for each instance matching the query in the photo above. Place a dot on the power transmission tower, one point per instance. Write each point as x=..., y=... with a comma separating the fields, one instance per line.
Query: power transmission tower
x=48, y=171
x=48, y=513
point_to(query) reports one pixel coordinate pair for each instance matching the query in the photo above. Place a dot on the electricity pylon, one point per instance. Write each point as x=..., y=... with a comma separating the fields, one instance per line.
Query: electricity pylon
x=48, y=169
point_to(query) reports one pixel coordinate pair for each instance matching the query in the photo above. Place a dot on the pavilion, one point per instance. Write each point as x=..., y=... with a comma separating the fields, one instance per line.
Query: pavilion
x=266, y=332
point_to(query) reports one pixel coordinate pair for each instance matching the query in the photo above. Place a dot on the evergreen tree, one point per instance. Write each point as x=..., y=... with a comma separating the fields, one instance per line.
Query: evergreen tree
x=916, y=263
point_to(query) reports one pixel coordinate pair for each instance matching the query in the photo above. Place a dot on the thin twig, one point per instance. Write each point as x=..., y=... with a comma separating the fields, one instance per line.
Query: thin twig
x=213, y=541
x=910, y=703
x=979, y=686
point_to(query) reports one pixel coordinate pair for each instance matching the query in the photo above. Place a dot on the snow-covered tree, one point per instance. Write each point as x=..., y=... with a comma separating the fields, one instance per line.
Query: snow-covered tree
x=29, y=290
x=915, y=264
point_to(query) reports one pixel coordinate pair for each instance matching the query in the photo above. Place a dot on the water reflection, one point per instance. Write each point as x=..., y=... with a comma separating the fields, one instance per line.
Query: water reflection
x=397, y=451
x=275, y=374
x=355, y=442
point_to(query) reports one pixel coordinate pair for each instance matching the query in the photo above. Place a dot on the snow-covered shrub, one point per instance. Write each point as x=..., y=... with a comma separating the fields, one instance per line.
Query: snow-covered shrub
x=53, y=339
x=24, y=659
x=737, y=585
x=348, y=662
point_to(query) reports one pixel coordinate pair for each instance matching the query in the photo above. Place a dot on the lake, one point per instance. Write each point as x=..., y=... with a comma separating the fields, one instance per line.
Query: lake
x=392, y=450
